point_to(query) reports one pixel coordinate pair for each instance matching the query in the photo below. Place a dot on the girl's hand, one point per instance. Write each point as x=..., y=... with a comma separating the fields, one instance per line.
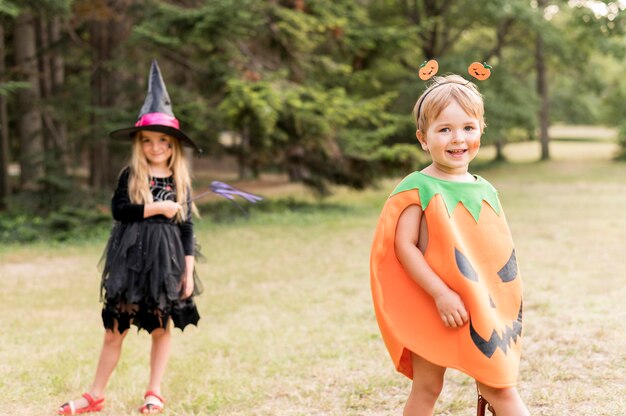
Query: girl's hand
x=169, y=208
x=451, y=309
x=188, y=286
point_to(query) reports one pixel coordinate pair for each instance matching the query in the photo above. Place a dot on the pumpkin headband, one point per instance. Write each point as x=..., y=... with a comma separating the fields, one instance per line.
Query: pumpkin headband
x=428, y=69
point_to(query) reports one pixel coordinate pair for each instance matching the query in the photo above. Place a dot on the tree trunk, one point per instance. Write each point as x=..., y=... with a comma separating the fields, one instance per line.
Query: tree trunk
x=52, y=77
x=57, y=67
x=100, y=155
x=29, y=115
x=542, y=91
x=499, y=143
x=4, y=133
x=106, y=33
x=242, y=156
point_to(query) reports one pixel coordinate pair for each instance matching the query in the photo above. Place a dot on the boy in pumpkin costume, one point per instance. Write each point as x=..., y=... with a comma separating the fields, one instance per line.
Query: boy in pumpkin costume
x=445, y=283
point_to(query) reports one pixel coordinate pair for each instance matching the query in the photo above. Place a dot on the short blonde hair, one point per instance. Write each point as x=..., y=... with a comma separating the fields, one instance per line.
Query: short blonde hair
x=440, y=93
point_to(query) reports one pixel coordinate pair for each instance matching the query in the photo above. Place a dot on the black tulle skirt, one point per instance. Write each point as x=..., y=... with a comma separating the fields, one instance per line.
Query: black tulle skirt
x=143, y=266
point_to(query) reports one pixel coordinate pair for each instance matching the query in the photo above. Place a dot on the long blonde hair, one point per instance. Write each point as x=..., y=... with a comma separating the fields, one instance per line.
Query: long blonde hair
x=139, y=175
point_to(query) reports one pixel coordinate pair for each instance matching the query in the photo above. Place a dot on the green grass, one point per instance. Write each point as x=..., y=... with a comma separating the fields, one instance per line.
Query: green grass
x=287, y=323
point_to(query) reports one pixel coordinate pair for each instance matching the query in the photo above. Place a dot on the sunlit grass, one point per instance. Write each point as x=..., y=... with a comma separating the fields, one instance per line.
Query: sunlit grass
x=287, y=323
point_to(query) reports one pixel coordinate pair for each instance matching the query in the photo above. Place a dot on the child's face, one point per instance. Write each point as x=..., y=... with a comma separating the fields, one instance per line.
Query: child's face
x=452, y=139
x=157, y=147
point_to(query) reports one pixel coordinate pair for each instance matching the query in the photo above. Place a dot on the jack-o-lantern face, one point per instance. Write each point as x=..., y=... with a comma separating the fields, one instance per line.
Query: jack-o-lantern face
x=479, y=71
x=428, y=69
x=467, y=243
x=499, y=337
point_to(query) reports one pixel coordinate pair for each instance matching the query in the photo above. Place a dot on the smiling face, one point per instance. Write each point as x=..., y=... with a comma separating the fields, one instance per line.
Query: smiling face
x=157, y=147
x=452, y=139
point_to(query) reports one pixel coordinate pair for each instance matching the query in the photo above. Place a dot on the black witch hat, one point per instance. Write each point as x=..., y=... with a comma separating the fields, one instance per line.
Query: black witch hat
x=156, y=113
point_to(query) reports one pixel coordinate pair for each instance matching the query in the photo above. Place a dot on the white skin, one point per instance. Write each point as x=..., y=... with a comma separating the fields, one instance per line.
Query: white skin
x=452, y=140
x=156, y=147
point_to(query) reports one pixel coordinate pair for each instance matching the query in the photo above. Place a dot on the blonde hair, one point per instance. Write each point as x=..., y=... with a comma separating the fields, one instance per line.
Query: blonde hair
x=138, y=181
x=439, y=95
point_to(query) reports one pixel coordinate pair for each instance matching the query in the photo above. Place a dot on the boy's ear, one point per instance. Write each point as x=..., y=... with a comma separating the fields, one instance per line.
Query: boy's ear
x=421, y=139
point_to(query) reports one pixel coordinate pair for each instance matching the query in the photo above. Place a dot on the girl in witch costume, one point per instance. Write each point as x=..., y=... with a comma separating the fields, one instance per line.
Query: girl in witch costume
x=444, y=276
x=149, y=276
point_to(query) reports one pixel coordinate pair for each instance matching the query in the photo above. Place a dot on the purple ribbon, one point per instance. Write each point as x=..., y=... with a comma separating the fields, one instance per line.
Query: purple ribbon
x=229, y=192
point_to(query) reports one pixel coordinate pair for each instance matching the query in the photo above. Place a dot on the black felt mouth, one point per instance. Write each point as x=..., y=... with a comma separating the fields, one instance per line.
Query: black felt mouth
x=488, y=347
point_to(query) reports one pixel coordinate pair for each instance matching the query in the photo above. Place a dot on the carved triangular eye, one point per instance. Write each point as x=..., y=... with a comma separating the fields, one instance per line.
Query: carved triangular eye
x=509, y=271
x=465, y=266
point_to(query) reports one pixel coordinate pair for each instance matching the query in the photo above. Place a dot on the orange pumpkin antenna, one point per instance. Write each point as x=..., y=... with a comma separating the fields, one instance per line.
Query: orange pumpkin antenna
x=428, y=69
x=479, y=71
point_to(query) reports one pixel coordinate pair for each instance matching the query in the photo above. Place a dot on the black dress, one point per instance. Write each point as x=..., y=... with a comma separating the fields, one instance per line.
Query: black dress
x=144, y=264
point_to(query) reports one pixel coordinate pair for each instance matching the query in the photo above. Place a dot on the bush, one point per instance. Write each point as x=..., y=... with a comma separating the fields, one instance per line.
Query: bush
x=400, y=159
x=68, y=223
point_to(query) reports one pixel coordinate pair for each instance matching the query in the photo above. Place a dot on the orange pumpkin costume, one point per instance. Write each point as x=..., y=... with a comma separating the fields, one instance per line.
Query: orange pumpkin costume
x=470, y=248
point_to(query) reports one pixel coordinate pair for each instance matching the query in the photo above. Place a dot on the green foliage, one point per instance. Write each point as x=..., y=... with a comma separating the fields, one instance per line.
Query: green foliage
x=10, y=87
x=254, y=104
x=9, y=8
x=58, y=210
x=67, y=223
x=400, y=159
x=510, y=104
x=322, y=89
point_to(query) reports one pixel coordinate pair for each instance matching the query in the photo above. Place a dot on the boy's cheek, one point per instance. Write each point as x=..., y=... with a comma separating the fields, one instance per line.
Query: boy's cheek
x=474, y=144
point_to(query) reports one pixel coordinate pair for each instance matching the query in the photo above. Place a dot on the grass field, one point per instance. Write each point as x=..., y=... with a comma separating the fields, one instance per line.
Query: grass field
x=287, y=322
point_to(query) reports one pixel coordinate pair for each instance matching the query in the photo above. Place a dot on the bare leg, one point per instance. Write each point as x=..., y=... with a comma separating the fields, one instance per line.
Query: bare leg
x=427, y=385
x=109, y=357
x=161, y=342
x=506, y=402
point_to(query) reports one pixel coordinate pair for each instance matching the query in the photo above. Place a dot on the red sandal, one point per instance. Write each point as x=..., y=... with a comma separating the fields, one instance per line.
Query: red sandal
x=482, y=405
x=93, y=405
x=152, y=408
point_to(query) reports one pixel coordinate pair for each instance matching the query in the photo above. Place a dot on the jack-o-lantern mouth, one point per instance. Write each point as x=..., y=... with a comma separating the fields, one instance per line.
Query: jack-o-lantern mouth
x=506, y=274
x=488, y=347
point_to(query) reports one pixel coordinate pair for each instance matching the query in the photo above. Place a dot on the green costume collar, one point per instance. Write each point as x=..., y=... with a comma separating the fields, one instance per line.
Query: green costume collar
x=470, y=194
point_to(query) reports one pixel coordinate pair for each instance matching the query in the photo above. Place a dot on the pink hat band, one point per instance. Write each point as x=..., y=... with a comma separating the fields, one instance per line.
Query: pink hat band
x=162, y=119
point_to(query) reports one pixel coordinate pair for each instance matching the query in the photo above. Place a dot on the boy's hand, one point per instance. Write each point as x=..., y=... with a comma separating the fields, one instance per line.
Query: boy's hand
x=451, y=309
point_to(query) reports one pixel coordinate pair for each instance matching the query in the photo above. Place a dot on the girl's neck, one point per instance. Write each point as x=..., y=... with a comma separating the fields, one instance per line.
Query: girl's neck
x=453, y=176
x=159, y=171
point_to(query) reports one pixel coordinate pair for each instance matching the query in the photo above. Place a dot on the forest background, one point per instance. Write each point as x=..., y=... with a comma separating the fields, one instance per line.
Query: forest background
x=319, y=91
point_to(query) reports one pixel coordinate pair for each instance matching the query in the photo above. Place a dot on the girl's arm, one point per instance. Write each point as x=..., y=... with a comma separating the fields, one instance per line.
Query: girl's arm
x=449, y=304
x=188, y=240
x=188, y=284
x=167, y=208
x=125, y=211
